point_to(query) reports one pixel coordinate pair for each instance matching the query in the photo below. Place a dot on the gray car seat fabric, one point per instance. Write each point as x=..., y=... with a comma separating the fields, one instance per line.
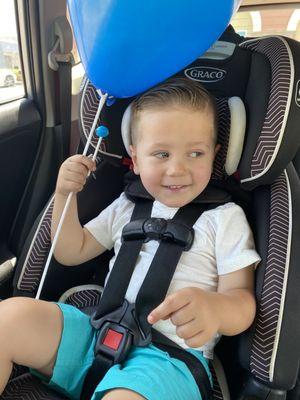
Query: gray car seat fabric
x=264, y=73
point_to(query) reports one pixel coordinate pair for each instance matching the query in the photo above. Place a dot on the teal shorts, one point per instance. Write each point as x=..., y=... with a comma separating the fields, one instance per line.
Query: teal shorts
x=147, y=370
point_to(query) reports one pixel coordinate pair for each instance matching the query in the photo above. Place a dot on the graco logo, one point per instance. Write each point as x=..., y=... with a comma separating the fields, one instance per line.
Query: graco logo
x=205, y=74
x=297, y=94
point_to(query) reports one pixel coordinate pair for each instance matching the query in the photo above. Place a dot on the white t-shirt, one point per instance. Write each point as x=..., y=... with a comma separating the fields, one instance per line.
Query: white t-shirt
x=223, y=243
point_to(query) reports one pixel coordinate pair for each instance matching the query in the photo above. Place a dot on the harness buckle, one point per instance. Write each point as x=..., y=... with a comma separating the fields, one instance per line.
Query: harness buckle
x=154, y=228
x=117, y=332
x=114, y=341
x=159, y=229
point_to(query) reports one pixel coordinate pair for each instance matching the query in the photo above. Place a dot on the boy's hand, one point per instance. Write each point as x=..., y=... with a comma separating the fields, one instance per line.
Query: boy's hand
x=194, y=313
x=73, y=173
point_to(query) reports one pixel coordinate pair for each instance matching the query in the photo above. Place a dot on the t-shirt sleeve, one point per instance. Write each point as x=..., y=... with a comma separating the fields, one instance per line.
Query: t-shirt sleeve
x=101, y=227
x=235, y=248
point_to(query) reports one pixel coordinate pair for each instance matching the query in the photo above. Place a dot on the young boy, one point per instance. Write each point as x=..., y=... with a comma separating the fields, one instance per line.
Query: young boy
x=173, y=131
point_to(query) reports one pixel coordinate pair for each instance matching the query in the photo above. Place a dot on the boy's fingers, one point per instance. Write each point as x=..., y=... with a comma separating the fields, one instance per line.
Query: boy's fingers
x=77, y=168
x=84, y=160
x=171, y=304
x=88, y=162
x=199, y=340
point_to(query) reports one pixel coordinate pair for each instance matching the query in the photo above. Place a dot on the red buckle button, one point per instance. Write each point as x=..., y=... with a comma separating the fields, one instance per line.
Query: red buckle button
x=112, y=339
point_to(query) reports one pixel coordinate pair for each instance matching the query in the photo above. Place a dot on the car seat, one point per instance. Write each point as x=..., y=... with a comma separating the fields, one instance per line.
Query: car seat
x=264, y=73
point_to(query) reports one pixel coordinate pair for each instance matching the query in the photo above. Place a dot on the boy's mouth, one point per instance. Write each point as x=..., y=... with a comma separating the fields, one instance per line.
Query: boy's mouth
x=175, y=187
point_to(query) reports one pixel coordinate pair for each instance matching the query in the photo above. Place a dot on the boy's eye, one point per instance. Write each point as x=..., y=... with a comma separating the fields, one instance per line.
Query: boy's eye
x=162, y=154
x=195, y=154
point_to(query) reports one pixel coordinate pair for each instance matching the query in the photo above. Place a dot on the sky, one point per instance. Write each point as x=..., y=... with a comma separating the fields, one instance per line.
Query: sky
x=7, y=19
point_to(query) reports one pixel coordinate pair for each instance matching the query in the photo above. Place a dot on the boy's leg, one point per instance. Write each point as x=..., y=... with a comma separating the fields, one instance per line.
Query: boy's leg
x=30, y=333
x=122, y=394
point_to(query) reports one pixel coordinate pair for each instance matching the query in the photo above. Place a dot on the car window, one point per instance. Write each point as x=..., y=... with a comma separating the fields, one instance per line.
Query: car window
x=276, y=19
x=11, y=79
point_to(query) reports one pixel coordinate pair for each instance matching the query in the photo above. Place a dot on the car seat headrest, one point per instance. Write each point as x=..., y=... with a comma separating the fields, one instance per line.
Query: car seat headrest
x=265, y=74
x=236, y=135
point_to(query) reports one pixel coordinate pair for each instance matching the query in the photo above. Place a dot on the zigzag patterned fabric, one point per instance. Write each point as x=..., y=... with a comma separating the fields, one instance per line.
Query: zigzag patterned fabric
x=268, y=321
x=27, y=387
x=37, y=253
x=90, y=102
x=223, y=137
x=276, y=49
x=84, y=298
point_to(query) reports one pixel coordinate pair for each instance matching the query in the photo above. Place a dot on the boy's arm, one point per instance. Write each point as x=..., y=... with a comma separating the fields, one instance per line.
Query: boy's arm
x=198, y=314
x=235, y=300
x=75, y=244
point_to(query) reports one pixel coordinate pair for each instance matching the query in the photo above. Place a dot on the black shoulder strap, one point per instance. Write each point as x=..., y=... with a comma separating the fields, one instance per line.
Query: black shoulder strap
x=118, y=281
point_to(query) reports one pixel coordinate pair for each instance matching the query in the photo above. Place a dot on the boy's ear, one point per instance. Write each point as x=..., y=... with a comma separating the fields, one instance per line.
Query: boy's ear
x=134, y=159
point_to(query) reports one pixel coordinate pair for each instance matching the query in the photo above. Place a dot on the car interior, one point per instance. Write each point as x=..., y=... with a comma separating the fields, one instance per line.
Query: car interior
x=255, y=79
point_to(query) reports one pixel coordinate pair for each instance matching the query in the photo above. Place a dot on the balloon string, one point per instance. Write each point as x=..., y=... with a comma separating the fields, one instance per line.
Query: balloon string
x=53, y=245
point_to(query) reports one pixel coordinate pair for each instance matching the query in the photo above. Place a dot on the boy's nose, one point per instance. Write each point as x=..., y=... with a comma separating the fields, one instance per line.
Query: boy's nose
x=176, y=168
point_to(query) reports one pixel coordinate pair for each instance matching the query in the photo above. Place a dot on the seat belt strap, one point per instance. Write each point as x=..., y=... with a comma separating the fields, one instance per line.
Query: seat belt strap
x=65, y=87
x=60, y=59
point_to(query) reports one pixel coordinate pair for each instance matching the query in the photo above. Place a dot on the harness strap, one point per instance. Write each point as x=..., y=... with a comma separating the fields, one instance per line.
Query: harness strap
x=151, y=294
x=117, y=284
x=95, y=374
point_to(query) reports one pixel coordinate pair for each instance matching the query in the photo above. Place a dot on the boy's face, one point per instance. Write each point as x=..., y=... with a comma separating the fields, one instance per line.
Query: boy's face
x=174, y=152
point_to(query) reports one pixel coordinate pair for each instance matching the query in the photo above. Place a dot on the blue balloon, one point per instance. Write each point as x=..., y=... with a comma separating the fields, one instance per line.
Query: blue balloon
x=127, y=46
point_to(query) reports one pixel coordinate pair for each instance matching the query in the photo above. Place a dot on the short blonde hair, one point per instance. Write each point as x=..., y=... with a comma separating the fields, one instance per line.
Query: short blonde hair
x=175, y=92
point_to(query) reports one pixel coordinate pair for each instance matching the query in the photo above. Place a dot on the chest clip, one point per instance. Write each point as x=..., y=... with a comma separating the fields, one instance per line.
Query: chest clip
x=159, y=229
